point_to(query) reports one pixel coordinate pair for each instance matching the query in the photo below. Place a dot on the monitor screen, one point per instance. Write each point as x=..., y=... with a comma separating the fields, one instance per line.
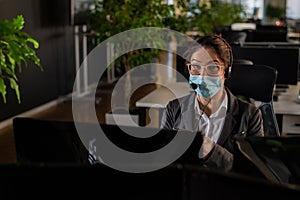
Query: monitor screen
x=284, y=59
x=268, y=33
x=47, y=142
x=58, y=142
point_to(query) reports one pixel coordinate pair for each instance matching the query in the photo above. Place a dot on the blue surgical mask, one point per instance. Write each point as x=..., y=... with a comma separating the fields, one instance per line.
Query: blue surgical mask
x=207, y=86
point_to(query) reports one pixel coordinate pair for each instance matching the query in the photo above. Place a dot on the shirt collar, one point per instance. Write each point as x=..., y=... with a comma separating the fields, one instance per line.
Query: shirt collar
x=221, y=112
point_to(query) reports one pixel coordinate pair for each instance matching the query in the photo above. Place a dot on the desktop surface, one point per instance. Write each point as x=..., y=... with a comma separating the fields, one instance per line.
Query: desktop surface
x=160, y=97
x=287, y=102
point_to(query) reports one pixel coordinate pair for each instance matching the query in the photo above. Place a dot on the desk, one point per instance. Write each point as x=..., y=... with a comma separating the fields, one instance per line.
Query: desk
x=286, y=103
x=286, y=106
x=159, y=98
x=288, y=109
x=294, y=36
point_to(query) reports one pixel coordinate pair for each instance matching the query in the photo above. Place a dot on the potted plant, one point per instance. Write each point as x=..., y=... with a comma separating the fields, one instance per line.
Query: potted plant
x=15, y=51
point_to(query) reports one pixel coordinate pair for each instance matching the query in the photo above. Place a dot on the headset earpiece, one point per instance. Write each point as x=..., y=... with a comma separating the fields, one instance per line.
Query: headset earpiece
x=227, y=72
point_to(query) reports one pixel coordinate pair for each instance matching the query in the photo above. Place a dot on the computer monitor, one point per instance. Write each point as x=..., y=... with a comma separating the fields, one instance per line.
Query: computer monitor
x=284, y=59
x=268, y=33
x=47, y=142
x=58, y=142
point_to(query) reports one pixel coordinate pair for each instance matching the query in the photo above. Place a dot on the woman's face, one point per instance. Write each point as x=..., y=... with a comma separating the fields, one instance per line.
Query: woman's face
x=205, y=62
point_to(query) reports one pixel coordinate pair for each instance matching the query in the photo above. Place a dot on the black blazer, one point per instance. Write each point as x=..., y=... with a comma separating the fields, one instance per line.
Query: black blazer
x=242, y=119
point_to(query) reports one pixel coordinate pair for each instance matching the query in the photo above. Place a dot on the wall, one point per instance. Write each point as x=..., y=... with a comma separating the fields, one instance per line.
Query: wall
x=56, y=52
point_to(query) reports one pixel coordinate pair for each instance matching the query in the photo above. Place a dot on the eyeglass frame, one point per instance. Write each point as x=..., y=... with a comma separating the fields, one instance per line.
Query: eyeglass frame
x=189, y=65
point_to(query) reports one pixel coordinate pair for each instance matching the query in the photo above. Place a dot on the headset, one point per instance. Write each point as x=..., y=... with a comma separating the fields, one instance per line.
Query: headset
x=227, y=71
x=230, y=51
x=224, y=41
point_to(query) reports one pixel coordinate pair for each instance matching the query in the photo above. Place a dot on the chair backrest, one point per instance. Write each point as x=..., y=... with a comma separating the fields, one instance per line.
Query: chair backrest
x=235, y=37
x=242, y=61
x=256, y=82
x=237, y=63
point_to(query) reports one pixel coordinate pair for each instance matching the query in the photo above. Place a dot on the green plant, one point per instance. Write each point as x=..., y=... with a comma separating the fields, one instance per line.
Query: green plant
x=180, y=21
x=274, y=12
x=111, y=17
x=15, y=50
x=212, y=14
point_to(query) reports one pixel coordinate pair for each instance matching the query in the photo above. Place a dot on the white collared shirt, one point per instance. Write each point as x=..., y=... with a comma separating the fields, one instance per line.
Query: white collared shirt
x=212, y=126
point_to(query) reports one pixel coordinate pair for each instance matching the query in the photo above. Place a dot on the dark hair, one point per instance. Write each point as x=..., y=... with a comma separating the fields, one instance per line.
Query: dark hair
x=215, y=42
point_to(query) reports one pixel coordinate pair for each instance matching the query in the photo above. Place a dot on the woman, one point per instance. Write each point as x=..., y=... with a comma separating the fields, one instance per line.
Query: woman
x=212, y=109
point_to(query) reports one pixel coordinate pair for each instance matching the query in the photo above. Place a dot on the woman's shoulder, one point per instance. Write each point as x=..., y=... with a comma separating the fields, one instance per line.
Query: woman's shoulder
x=241, y=101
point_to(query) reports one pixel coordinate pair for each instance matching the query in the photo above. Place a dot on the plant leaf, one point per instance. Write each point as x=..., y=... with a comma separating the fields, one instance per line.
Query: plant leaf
x=3, y=89
x=34, y=42
x=17, y=48
x=14, y=85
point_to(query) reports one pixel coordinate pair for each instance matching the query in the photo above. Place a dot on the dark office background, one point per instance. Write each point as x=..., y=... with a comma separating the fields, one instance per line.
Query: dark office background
x=48, y=21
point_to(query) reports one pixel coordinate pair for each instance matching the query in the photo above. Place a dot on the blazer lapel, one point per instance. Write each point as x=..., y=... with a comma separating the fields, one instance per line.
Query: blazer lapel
x=230, y=119
x=188, y=114
x=188, y=120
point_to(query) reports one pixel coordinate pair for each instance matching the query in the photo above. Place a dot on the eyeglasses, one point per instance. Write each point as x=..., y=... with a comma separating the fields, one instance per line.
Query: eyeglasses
x=195, y=69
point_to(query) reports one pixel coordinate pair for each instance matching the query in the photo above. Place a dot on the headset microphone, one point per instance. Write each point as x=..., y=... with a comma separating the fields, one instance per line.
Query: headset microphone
x=201, y=86
x=193, y=86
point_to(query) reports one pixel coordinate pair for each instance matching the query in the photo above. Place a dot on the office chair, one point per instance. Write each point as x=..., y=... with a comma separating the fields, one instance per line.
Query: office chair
x=242, y=61
x=235, y=37
x=256, y=83
x=237, y=63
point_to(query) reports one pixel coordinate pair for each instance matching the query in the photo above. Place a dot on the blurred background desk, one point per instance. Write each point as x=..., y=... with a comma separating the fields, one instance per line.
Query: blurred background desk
x=158, y=99
x=286, y=108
